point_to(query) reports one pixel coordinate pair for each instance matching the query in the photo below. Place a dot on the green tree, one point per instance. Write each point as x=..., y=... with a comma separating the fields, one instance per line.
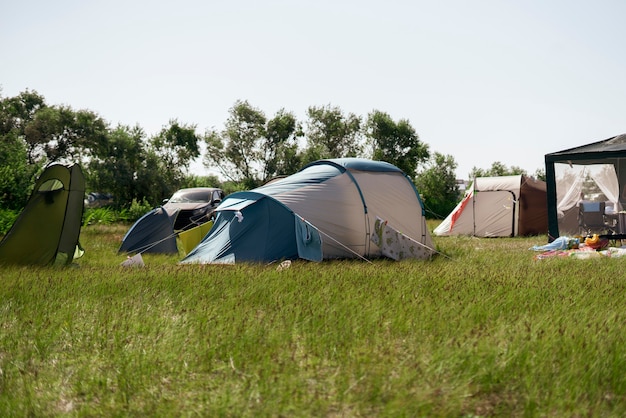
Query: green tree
x=331, y=134
x=60, y=134
x=497, y=169
x=152, y=184
x=17, y=170
x=437, y=185
x=252, y=149
x=236, y=151
x=121, y=168
x=281, y=154
x=133, y=167
x=395, y=142
x=17, y=112
x=202, y=181
x=540, y=174
x=16, y=175
x=175, y=146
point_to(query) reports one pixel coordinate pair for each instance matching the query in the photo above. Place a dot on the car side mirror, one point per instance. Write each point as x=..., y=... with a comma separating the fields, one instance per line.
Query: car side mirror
x=217, y=201
x=165, y=200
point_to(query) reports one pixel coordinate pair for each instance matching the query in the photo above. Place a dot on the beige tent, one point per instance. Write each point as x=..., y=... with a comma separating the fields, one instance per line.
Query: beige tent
x=504, y=206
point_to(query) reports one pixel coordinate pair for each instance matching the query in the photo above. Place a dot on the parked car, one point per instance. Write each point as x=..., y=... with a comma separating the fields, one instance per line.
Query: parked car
x=194, y=206
x=98, y=200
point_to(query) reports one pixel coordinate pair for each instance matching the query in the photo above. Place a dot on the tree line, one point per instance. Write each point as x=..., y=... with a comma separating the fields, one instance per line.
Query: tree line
x=249, y=150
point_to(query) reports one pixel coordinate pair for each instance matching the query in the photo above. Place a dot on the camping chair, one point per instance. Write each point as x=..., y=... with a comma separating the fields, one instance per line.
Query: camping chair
x=591, y=218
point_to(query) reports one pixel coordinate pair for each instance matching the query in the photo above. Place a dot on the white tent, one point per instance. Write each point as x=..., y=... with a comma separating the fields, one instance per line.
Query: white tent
x=503, y=206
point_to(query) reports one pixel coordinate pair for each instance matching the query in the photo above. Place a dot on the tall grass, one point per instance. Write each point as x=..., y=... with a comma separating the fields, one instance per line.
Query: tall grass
x=483, y=331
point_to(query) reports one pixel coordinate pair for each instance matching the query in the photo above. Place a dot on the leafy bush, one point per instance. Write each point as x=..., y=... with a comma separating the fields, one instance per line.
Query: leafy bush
x=136, y=210
x=7, y=218
x=103, y=216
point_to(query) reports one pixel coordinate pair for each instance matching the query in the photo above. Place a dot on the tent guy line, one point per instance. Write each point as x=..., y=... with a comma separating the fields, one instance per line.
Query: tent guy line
x=337, y=241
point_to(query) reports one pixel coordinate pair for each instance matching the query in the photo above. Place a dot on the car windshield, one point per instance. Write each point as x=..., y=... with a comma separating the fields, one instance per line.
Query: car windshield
x=189, y=197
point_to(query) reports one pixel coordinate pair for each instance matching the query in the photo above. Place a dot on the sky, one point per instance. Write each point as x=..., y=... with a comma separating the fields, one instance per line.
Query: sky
x=483, y=81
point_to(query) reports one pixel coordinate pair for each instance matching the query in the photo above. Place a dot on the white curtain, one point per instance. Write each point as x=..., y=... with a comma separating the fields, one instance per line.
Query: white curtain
x=569, y=186
x=570, y=180
x=606, y=178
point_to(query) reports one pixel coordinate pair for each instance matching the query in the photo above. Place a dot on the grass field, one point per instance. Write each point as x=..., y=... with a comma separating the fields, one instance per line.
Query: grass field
x=485, y=330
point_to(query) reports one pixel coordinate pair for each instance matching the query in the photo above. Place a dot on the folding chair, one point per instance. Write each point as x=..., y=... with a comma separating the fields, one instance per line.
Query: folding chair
x=591, y=219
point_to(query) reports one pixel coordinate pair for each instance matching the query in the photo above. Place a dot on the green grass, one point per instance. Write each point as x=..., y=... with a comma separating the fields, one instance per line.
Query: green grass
x=485, y=331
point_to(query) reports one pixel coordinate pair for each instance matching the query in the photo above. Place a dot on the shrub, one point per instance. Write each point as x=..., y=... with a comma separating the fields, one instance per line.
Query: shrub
x=135, y=211
x=103, y=216
x=7, y=218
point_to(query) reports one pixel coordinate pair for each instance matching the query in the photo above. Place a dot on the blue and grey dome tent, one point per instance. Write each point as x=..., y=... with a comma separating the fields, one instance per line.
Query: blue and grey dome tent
x=329, y=209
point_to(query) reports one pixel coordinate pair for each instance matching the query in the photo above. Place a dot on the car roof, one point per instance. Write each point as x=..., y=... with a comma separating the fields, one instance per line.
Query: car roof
x=197, y=189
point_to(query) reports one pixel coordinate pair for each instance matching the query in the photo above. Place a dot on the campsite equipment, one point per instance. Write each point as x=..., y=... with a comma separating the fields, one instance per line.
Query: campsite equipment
x=134, y=261
x=592, y=173
x=326, y=210
x=502, y=206
x=48, y=228
x=596, y=242
x=561, y=243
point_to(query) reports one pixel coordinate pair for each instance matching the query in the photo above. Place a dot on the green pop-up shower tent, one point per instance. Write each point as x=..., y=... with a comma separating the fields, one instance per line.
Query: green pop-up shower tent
x=48, y=228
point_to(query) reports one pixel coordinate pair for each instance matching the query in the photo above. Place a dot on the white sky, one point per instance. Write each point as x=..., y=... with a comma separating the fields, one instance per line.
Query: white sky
x=481, y=80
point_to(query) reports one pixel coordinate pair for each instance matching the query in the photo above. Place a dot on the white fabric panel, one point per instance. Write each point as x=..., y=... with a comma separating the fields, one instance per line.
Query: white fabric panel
x=606, y=178
x=569, y=186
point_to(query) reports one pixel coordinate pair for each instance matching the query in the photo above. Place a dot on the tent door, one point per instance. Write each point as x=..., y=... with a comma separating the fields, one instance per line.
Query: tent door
x=495, y=213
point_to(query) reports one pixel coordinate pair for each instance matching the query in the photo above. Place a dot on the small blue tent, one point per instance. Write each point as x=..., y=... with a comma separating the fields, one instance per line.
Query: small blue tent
x=152, y=233
x=327, y=210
